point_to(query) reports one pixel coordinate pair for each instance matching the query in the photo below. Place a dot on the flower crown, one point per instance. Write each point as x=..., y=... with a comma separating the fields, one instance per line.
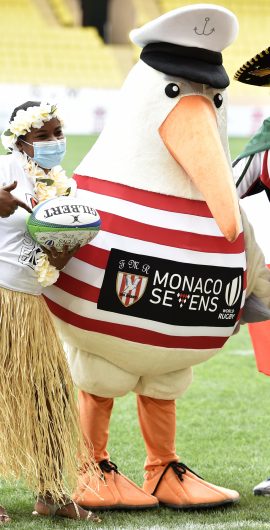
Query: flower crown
x=25, y=120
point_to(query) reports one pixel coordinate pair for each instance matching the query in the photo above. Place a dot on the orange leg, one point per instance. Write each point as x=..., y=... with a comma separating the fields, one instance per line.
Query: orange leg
x=116, y=490
x=157, y=419
x=171, y=482
x=95, y=414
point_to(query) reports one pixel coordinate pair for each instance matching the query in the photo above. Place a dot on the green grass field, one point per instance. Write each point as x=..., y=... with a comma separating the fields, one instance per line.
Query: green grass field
x=78, y=146
x=222, y=427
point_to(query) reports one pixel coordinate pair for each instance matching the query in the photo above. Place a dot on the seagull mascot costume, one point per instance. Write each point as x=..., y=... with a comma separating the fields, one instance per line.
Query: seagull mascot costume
x=163, y=285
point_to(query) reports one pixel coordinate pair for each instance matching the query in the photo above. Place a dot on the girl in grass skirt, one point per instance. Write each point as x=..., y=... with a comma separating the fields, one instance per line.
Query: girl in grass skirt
x=40, y=438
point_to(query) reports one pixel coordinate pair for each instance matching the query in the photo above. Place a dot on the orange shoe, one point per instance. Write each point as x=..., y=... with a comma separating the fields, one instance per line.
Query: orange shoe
x=177, y=486
x=115, y=491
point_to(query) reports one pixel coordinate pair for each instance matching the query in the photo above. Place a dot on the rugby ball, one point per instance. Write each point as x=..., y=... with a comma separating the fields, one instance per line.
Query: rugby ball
x=63, y=221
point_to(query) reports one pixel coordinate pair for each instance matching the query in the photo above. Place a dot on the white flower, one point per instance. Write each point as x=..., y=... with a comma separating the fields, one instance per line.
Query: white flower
x=21, y=123
x=43, y=191
x=45, y=109
x=57, y=171
x=61, y=181
x=19, y=126
x=47, y=274
x=61, y=186
x=33, y=170
x=21, y=114
x=37, y=123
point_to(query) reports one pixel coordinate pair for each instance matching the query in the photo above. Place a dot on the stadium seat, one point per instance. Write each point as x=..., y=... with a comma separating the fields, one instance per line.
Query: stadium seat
x=62, y=12
x=34, y=52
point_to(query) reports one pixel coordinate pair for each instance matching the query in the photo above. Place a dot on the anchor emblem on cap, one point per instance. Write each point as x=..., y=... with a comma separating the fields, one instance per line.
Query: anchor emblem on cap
x=203, y=31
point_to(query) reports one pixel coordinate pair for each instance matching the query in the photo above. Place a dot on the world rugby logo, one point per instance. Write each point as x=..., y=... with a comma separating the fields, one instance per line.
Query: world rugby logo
x=233, y=291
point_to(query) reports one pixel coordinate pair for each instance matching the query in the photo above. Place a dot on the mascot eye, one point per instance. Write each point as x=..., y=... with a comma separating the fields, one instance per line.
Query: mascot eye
x=172, y=90
x=218, y=100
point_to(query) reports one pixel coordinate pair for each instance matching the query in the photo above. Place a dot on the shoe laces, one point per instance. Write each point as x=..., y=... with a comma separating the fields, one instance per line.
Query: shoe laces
x=178, y=468
x=107, y=466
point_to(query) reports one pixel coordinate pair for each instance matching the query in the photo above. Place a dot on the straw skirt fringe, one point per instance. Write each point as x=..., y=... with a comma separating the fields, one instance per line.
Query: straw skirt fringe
x=40, y=438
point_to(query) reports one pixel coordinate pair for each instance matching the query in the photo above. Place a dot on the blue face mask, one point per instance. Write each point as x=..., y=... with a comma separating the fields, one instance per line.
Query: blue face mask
x=48, y=154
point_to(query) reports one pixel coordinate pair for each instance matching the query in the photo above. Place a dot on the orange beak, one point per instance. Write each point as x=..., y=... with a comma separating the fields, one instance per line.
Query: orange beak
x=191, y=135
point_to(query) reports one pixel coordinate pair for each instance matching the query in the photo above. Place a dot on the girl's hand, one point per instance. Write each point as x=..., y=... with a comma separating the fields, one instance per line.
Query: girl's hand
x=9, y=203
x=59, y=259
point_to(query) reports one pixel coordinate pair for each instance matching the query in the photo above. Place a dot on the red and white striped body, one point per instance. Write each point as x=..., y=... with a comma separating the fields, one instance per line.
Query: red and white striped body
x=146, y=230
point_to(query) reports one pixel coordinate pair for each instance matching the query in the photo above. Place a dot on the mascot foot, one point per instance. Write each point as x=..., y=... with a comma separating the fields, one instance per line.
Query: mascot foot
x=177, y=486
x=115, y=491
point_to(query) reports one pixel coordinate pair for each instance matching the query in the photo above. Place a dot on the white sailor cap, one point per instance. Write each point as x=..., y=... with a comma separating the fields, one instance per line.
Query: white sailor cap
x=188, y=41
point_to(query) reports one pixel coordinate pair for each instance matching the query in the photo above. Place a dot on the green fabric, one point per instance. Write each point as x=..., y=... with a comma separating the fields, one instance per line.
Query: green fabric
x=259, y=142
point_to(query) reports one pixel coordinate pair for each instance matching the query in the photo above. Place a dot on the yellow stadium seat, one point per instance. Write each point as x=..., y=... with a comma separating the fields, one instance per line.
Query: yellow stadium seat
x=34, y=52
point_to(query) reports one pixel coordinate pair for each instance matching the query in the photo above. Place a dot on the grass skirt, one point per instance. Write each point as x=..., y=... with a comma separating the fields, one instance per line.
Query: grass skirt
x=40, y=438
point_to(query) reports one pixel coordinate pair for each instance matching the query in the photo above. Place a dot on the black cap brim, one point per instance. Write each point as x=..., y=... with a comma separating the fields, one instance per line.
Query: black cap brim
x=256, y=71
x=194, y=64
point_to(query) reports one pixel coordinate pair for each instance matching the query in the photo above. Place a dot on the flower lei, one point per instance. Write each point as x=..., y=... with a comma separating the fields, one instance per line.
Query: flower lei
x=46, y=186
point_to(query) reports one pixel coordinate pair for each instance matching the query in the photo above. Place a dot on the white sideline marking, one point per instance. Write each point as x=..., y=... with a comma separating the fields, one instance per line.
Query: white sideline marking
x=247, y=525
x=241, y=352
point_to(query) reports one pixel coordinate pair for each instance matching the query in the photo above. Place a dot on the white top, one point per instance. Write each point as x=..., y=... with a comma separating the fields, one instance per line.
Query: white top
x=18, y=251
x=256, y=206
x=252, y=172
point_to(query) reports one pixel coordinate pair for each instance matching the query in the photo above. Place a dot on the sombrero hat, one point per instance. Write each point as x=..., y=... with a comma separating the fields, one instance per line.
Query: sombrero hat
x=256, y=71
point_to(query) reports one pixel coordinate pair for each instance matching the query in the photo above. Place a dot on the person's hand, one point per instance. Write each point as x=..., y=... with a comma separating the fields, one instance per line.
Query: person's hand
x=60, y=258
x=9, y=203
